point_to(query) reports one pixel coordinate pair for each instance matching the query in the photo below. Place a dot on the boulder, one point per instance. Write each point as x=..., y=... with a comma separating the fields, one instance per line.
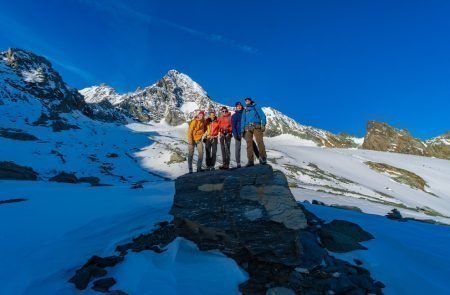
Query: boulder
x=247, y=212
x=343, y=236
x=65, y=177
x=12, y=171
x=251, y=216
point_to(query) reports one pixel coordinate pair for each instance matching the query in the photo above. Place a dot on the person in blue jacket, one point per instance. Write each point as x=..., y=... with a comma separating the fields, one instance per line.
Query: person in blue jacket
x=236, y=129
x=253, y=123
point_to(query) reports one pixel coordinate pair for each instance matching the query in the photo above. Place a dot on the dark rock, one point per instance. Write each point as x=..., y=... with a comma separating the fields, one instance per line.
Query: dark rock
x=60, y=125
x=343, y=236
x=136, y=186
x=154, y=241
x=103, y=285
x=94, y=181
x=17, y=134
x=9, y=201
x=83, y=275
x=112, y=155
x=357, y=261
x=315, y=202
x=12, y=171
x=103, y=261
x=394, y=214
x=65, y=177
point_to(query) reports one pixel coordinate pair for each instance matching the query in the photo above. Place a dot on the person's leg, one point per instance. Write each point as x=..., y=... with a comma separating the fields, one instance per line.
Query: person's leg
x=260, y=142
x=237, y=151
x=208, y=146
x=190, y=156
x=249, y=140
x=214, y=152
x=228, y=146
x=222, y=149
x=255, y=149
x=200, y=155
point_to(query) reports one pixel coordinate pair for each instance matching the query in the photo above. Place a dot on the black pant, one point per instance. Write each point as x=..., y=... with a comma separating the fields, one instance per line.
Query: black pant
x=211, y=152
x=225, y=142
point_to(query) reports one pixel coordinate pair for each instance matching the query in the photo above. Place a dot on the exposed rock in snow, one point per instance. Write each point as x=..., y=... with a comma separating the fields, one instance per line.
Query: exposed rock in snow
x=382, y=137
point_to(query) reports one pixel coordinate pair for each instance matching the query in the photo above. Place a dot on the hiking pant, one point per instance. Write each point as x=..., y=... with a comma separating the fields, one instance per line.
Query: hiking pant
x=211, y=152
x=237, y=150
x=225, y=142
x=255, y=131
x=191, y=147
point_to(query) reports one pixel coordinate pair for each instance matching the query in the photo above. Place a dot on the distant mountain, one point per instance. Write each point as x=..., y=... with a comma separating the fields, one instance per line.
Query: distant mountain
x=176, y=97
x=382, y=137
x=28, y=77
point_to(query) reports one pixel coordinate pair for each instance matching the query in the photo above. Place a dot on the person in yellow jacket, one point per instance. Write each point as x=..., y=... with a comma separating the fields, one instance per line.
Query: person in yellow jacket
x=196, y=130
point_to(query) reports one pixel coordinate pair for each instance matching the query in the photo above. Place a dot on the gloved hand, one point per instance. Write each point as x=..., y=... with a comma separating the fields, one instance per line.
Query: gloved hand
x=263, y=128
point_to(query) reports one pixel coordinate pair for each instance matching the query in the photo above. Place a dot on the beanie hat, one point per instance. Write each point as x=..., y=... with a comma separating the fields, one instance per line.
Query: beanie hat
x=238, y=103
x=201, y=113
x=248, y=98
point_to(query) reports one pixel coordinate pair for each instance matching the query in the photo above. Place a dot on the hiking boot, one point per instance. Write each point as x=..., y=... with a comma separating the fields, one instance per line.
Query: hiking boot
x=223, y=167
x=250, y=164
x=263, y=161
x=200, y=170
x=190, y=171
x=238, y=166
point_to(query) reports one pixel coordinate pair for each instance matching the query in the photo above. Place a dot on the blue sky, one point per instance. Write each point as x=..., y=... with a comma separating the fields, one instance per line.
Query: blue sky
x=329, y=64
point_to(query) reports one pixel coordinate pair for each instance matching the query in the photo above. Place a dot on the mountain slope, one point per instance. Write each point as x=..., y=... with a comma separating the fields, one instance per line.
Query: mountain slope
x=176, y=97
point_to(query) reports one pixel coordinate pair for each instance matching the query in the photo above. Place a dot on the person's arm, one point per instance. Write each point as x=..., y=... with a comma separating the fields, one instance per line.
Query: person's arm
x=191, y=132
x=243, y=122
x=262, y=116
x=234, y=125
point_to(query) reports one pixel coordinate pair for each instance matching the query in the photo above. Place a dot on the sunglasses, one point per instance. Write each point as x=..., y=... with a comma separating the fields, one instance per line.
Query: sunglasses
x=224, y=111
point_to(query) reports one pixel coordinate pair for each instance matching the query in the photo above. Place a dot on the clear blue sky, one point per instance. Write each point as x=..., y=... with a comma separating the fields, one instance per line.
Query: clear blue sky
x=329, y=64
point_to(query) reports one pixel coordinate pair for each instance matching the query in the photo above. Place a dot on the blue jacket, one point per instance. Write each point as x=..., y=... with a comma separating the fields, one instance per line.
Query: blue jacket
x=236, y=123
x=252, y=114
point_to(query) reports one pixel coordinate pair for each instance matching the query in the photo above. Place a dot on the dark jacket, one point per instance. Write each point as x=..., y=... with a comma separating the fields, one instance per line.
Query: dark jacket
x=252, y=115
x=236, y=123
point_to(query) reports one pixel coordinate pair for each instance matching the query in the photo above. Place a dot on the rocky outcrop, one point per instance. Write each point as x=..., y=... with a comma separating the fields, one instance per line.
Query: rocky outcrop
x=12, y=171
x=382, y=137
x=251, y=215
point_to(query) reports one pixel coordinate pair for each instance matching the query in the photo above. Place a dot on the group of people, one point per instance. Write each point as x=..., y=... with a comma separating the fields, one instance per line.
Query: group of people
x=248, y=122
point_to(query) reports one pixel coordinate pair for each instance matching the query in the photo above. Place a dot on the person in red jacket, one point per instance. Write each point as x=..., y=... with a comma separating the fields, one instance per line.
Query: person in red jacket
x=225, y=132
x=211, y=139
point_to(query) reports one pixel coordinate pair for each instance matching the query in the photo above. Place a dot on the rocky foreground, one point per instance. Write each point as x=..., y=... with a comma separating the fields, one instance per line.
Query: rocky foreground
x=251, y=216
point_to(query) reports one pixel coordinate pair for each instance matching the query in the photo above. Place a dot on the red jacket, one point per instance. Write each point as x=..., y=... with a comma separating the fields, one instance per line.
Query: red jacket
x=225, y=123
x=213, y=129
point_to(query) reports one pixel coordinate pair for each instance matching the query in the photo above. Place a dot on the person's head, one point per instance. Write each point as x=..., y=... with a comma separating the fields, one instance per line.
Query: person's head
x=223, y=110
x=248, y=101
x=201, y=114
x=212, y=115
x=239, y=106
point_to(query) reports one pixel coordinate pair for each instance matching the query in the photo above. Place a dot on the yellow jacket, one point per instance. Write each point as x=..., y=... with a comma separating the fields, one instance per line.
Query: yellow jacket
x=196, y=130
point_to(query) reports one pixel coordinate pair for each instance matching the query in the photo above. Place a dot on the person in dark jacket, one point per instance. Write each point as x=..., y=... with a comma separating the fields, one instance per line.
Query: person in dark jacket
x=253, y=123
x=236, y=127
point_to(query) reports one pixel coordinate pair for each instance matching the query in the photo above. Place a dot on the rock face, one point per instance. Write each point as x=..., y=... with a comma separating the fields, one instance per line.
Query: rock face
x=251, y=216
x=249, y=211
x=382, y=137
x=25, y=76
